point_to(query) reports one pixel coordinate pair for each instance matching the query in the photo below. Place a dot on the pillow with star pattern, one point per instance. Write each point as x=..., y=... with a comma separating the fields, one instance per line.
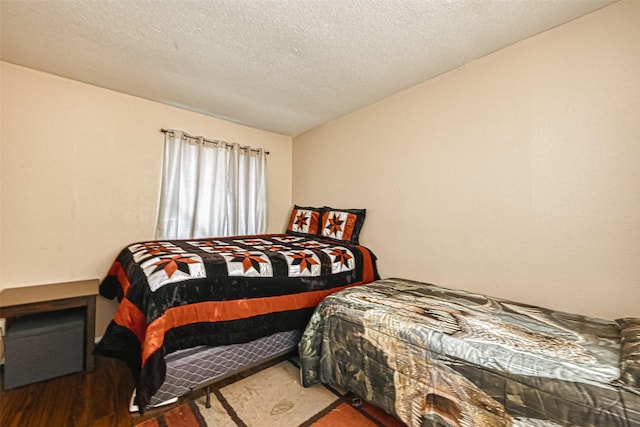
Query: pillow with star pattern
x=342, y=224
x=304, y=220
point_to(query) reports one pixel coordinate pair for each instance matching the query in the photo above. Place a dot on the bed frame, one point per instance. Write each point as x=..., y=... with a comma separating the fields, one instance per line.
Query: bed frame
x=201, y=367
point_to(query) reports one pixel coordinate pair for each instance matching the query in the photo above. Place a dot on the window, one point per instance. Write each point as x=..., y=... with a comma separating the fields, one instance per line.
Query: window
x=210, y=188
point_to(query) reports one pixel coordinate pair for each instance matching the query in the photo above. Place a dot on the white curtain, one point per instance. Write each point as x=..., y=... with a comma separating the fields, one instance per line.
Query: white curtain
x=211, y=189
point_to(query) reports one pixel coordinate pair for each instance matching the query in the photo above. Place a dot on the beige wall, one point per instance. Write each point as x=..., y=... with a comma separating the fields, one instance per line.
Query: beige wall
x=80, y=169
x=517, y=175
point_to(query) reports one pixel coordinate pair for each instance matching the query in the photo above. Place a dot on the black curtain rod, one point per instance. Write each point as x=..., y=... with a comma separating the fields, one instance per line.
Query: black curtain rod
x=215, y=142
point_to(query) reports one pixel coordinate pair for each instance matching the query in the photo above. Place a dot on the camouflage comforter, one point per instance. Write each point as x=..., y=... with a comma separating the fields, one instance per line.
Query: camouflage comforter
x=441, y=357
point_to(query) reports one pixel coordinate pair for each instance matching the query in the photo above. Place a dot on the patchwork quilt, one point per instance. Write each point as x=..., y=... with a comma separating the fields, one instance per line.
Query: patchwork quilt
x=441, y=357
x=179, y=294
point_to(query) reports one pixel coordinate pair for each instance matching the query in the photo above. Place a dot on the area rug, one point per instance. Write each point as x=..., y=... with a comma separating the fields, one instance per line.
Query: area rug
x=274, y=397
x=185, y=415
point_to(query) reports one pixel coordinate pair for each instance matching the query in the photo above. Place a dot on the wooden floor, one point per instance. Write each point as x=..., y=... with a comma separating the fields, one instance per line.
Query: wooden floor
x=99, y=399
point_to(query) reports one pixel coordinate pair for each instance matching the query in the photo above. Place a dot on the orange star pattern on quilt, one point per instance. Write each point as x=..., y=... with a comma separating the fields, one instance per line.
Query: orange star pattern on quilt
x=340, y=255
x=174, y=263
x=156, y=248
x=249, y=260
x=273, y=248
x=304, y=260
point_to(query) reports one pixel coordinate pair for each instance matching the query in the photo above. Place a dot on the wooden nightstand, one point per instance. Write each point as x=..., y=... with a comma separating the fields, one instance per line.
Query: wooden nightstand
x=59, y=296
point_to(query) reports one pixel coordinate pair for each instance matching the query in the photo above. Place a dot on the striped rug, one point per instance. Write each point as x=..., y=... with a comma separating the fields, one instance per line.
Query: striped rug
x=273, y=397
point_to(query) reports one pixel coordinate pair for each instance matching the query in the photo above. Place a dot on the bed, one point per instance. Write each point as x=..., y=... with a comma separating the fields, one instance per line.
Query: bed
x=441, y=357
x=192, y=311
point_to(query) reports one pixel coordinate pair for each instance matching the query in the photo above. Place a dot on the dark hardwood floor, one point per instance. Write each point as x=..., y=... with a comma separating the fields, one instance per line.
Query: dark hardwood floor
x=100, y=399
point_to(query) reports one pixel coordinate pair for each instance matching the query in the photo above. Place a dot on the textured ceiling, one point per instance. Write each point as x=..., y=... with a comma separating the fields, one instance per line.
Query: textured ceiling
x=284, y=66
